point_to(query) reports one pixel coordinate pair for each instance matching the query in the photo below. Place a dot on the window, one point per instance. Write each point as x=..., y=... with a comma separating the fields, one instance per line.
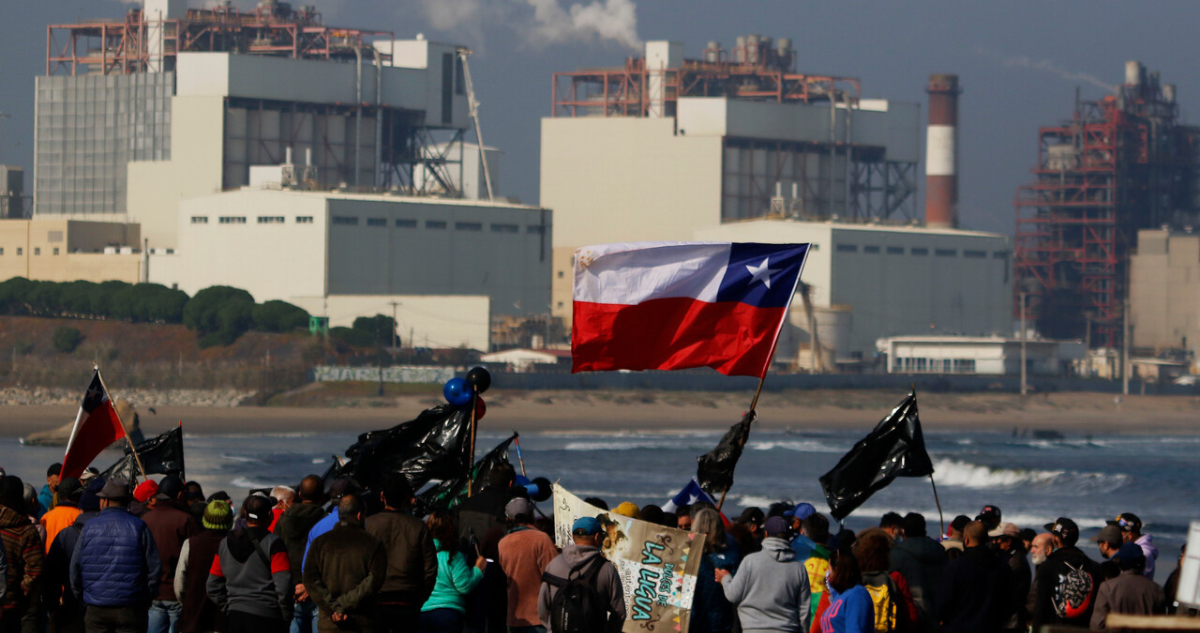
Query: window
x=505, y=228
x=20, y=251
x=946, y=252
x=435, y=224
x=919, y=251
x=847, y=248
x=1, y=250
x=535, y=229
x=37, y=250
x=999, y=254
x=270, y=219
x=964, y=365
x=232, y=220
x=304, y=219
x=870, y=249
x=405, y=223
x=468, y=226
x=55, y=250
x=345, y=220
x=377, y=222
x=974, y=254
x=895, y=250
x=560, y=273
x=199, y=219
x=560, y=304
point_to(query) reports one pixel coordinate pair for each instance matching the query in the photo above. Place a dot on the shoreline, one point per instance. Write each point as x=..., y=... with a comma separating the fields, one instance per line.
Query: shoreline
x=596, y=412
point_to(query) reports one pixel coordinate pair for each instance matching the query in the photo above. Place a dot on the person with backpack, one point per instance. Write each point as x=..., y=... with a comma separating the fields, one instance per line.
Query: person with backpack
x=1067, y=582
x=895, y=611
x=581, y=591
x=711, y=612
x=975, y=591
x=251, y=576
x=446, y=607
x=770, y=590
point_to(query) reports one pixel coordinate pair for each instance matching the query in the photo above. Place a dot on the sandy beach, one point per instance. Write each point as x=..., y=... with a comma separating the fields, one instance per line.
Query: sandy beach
x=597, y=411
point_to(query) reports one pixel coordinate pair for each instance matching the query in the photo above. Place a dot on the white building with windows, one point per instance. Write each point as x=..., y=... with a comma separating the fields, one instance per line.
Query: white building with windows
x=992, y=355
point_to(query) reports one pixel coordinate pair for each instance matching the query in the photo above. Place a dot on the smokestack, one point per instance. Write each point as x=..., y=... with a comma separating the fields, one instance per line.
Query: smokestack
x=941, y=153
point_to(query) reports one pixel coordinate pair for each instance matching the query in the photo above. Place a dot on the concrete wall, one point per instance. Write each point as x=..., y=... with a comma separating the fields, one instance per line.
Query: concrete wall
x=65, y=250
x=1165, y=290
x=430, y=321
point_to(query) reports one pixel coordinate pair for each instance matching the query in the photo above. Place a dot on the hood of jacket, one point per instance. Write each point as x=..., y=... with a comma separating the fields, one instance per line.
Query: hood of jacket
x=11, y=518
x=84, y=517
x=574, y=554
x=306, y=510
x=778, y=549
x=924, y=549
x=241, y=542
x=1146, y=542
x=980, y=554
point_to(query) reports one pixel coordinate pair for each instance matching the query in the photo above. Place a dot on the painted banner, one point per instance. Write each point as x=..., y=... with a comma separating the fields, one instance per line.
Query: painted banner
x=656, y=563
x=402, y=373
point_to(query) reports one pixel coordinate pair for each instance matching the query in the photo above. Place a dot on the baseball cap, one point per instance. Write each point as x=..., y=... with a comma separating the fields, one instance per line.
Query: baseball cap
x=1064, y=529
x=145, y=490
x=989, y=513
x=1110, y=534
x=750, y=515
x=802, y=511
x=585, y=526
x=1130, y=553
x=258, y=508
x=628, y=509
x=169, y=487
x=1127, y=522
x=1005, y=529
x=342, y=487
x=518, y=507
x=776, y=526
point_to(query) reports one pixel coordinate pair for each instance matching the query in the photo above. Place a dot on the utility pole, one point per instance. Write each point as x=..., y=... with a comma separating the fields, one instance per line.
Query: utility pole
x=1125, y=364
x=1024, y=384
x=395, y=323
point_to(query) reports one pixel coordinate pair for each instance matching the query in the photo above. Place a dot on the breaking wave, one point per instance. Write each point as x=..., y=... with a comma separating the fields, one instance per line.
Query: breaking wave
x=966, y=475
x=801, y=446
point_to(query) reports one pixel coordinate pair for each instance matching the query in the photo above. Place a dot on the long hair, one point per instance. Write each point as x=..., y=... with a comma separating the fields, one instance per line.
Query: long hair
x=442, y=528
x=872, y=549
x=708, y=522
x=845, y=573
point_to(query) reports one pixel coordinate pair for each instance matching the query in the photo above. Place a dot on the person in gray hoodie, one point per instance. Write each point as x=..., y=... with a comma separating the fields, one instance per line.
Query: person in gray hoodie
x=576, y=559
x=771, y=589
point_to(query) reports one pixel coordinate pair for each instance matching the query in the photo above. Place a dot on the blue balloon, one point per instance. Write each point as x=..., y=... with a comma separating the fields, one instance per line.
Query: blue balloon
x=457, y=392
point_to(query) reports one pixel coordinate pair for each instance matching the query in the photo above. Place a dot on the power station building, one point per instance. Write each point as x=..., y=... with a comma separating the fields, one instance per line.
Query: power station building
x=739, y=145
x=263, y=149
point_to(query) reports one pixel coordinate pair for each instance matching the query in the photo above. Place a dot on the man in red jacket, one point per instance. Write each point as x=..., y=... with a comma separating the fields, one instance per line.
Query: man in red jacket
x=170, y=524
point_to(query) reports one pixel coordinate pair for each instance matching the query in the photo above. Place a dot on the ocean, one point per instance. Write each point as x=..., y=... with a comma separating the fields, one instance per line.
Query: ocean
x=1089, y=479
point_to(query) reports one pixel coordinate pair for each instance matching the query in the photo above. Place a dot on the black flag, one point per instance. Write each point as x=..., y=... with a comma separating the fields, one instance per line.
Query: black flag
x=896, y=448
x=433, y=446
x=715, y=472
x=162, y=455
x=449, y=493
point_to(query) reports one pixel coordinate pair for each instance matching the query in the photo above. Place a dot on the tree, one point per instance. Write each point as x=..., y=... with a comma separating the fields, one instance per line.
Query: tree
x=202, y=312
x=351, y=336
x=378, y=329
x=14, y=295
x=279, y=316
x=66, y=339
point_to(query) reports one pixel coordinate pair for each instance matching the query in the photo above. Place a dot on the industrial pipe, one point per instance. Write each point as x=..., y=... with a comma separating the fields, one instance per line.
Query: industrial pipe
x=941, y=153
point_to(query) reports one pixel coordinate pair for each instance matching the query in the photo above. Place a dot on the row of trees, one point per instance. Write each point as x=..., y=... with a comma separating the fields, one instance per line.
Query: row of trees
x=219, y=315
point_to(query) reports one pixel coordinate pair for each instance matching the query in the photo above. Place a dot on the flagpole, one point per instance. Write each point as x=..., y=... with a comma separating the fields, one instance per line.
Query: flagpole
x=182, y=463
x=520, y=460
x=471, y=461
x=941, y=519
x=128, y=439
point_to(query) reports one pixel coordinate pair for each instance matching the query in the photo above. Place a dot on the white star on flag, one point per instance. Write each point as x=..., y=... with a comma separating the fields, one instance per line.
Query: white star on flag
x=761, y=272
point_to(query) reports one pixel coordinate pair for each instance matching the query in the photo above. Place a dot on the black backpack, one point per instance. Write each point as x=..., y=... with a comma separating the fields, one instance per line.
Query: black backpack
x=577, y=607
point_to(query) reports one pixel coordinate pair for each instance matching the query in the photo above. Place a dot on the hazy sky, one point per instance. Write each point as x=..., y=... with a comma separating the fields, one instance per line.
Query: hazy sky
x=1018, y=61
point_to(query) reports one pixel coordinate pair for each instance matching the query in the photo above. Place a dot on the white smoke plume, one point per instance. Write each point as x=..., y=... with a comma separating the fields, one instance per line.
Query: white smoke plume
x=1046, y=66
x=549, y=24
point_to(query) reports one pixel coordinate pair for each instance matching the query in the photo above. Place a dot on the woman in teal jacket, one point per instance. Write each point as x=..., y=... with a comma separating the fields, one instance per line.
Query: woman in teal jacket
x=444, y=610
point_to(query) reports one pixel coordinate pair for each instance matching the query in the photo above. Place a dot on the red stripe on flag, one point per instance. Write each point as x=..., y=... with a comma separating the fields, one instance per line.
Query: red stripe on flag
x=733, y=338
x=93, y=433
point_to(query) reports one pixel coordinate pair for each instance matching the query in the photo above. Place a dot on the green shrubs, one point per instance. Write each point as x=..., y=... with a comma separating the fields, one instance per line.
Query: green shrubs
x=66, y=339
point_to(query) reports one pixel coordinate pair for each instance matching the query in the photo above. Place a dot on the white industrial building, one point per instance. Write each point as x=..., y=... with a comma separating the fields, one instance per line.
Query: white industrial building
x=991, y=355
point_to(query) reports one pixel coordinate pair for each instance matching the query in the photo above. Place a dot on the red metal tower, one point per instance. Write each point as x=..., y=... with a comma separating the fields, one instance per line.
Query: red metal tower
x=1120, y=164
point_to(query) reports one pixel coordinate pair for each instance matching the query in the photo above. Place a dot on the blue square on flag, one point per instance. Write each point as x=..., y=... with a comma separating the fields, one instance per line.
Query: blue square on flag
x=762, y=275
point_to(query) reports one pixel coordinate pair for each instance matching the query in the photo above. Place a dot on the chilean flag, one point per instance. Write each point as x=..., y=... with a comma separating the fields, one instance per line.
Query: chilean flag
x=676, y=305
x=96, y=427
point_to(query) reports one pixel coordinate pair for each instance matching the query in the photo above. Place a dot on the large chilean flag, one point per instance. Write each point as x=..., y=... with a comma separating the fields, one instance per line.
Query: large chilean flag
x=676, y=305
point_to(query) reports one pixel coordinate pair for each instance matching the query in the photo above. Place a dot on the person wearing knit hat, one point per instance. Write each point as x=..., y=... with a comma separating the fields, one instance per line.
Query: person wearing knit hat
x=198, y=613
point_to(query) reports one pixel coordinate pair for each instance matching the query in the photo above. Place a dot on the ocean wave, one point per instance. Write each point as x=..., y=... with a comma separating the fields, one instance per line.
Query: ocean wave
x=801, y=446
x=966, y=475
x=621, y=445
x=250, y=484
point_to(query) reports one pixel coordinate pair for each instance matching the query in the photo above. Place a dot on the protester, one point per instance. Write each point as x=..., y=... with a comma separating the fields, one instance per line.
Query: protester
x=143, y=497
x=596, y=501
x=1109, y=540
x=954, y=542
x=64, y=513
x=990, y=516
x=284, y=498
x=444, y=611
x=653, y=514
x=199, y=614
x=524, y=555
x=889, y=591
x=251, y=576
x=846, y=606
x=63, y=609
x=920, y=560
x=683, y=515
x=628, y=509
x=411, y=559
x=770, y=589
x=293, y=527
x=46, y=498
x=33, y=510
x=1066, y=582
x=171, y=524
x=1007, y=541
x=1131, y=532
x=1130, y=593
x=893, y=524
x=581, y=560
x=815, y=531
x=115, y=568
x=345, y=570
x=711, y=611
x=25, y=556
x=484, y=510
x=747, y=530
x=340, y=488
x=1027, y=536
x=975, y=592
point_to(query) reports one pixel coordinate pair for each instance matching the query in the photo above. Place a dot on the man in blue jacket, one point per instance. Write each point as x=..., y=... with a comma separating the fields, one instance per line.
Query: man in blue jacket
x=115, y=569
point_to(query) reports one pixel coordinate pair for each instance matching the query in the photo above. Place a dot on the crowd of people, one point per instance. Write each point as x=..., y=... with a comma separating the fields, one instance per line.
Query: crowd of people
x=86, y=554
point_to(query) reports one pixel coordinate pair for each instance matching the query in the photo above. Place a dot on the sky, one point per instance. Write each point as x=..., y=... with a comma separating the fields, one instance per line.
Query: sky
x=1019, y=62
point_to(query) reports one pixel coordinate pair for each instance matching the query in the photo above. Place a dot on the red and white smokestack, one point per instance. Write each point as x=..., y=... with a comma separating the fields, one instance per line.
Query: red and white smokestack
x=941, y=153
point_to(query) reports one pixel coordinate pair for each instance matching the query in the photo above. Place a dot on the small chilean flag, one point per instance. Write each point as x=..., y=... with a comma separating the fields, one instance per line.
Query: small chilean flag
x=676, y=305
x=96, y=427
